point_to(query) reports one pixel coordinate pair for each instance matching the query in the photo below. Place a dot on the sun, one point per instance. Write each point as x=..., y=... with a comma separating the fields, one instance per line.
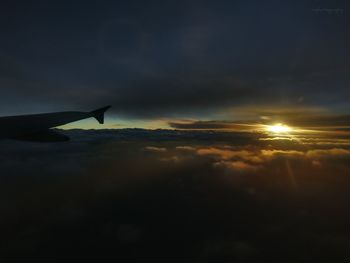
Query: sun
x=278, y=128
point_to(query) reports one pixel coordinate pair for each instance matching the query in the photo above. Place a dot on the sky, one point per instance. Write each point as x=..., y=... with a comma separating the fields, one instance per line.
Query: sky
x=160, y=62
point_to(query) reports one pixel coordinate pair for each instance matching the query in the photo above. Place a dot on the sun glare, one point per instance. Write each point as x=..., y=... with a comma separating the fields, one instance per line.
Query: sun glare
x=278, y=128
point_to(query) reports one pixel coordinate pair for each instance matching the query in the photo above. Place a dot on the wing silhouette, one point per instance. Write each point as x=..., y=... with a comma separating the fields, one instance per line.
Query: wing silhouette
x=37, y=127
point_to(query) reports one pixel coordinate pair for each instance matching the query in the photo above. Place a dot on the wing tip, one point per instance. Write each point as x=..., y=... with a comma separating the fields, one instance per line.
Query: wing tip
x=99, y=114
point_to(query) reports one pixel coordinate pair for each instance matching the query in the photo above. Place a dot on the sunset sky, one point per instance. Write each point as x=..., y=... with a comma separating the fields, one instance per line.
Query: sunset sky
x=242, y=146
x=164, y=62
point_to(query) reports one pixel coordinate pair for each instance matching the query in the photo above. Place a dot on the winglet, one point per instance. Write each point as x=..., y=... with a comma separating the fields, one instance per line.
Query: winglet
x=99, y=114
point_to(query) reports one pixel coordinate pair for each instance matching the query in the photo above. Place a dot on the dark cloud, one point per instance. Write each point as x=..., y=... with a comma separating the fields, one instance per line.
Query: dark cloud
x=178, y=95
x=209, y=125
x=330, y=122
x=182, y=59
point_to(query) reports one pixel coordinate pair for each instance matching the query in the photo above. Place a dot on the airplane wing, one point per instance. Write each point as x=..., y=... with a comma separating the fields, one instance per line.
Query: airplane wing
x=37, y=127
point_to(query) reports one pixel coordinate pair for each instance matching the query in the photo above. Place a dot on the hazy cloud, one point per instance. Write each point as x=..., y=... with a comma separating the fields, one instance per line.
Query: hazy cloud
x=155, y=149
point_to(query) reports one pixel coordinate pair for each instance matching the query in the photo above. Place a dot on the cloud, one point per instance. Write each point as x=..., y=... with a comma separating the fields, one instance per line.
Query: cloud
x=174, y=159
x=227, y=154
x=326, y=141
x=269, y=154
x=253, y=155
x=213, y=195
x=211, y=125
x=155, y=149
x=334, y=122
x=327, y=153
x=186, y=148
x=237, y=166
x=256, y=158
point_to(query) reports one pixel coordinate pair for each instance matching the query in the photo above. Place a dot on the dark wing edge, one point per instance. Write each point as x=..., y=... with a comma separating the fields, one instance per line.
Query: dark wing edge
x=99, y=114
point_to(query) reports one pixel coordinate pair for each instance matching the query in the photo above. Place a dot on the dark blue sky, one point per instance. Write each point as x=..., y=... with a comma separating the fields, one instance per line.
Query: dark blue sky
x=173, y=59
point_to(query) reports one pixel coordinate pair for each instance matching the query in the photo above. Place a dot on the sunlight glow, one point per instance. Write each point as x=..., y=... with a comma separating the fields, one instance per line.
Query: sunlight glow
x=278, y=128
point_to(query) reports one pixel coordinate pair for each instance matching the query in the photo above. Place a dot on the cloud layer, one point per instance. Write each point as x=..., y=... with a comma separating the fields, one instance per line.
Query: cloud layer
x=174, y=195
